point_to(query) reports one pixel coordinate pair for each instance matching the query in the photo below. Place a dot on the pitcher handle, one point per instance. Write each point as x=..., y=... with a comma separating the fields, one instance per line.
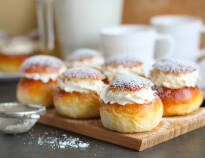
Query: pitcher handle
x=45, y=19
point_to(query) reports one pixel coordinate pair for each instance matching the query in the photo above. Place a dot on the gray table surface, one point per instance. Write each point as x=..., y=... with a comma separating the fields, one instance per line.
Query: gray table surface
x=191, y=145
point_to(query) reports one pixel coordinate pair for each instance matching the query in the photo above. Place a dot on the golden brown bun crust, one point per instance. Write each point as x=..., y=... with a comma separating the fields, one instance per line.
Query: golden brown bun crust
x=180, y=101
x=83, y=73
x=77, y=105
x=42, y=64
x=131, y=118
x=11, y=63
x=36, y=92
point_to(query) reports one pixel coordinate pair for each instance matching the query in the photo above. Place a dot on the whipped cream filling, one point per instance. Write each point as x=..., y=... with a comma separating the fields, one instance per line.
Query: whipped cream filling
x=95, y=62
x=19, y=48
x=174, y=80
x=143, y=96
x=81, y=85
x=113, y=71
x=45, y=77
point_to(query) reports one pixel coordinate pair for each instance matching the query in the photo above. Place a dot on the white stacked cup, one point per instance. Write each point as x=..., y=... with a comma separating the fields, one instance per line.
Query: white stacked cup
x=136, y=39
x=185, y=30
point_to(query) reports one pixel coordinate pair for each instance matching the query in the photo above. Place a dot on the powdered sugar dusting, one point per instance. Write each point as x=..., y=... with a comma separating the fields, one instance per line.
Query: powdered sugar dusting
x=175, y=65
x=130, y=82
x=42, y=60
x=124, y=59
x=83, y=53
x=55, y=140
x=165, y=125
x=185, y=118
x=83, y=73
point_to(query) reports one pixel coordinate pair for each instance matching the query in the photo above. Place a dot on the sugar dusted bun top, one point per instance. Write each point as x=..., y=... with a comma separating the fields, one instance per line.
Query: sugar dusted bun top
x=42, y=67
x=129, y=89
x=130, y=83
x=172, y=65
x=174, y=73
x=83, y=53
x=83, y=73
x=42, y=64
x=126, y=60
x=123, y=64
x=81, y=79
x=85, y=57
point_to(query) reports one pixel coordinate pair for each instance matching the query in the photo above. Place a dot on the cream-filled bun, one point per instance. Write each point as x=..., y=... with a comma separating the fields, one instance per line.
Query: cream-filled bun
x=128, y=104
x=85, y=57
x=14, y=51
x=123, y=64
x=39, y=80
x=175, y=82
x=19, y=45
x=174, y=73
x=78, y=92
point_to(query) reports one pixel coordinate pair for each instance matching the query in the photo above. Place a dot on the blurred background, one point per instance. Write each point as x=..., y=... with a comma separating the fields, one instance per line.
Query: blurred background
x=19, y=17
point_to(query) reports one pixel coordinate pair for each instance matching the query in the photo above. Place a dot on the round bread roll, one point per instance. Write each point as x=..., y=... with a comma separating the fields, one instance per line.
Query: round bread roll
x=36, y=92
x=123, y=64
x=78, y=91
x=14, y=51
x=39, y=82
x=85, y=57
x=77, y=105
x=175, y=82
x=129, y=105
x=11, y=63
x=180, y=101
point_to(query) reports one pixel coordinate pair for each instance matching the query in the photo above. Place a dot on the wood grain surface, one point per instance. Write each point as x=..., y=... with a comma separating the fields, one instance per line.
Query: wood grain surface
x=169, y=128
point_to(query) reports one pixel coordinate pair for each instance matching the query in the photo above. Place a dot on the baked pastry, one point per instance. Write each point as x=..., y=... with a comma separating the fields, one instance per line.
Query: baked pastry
x=123, y=64
x=78, y=91
x=85, y=57
x=13, y=52
x=128, y=105
x=39, y=80
x=175, y=82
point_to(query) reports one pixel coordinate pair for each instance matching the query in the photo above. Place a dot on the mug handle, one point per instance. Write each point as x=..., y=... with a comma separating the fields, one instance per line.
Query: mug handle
x=170, y=40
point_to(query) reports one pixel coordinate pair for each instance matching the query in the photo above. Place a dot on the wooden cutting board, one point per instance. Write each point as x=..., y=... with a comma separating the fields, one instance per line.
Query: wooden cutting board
x=169, y=128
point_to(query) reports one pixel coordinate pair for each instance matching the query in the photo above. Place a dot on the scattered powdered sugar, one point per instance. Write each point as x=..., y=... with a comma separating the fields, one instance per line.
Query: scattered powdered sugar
x=62, y=142
x=83, y=73
x=175, y=65
x=124, y=59
x=83, y=53
x=165, y=125
x=42, y=60
x=55, y=140
x=130, y=82
x=185, y=118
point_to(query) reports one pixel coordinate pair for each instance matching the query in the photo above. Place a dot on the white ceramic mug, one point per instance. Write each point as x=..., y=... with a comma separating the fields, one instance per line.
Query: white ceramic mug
x=137, y=39
x=78, y=22
x=186, y=32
